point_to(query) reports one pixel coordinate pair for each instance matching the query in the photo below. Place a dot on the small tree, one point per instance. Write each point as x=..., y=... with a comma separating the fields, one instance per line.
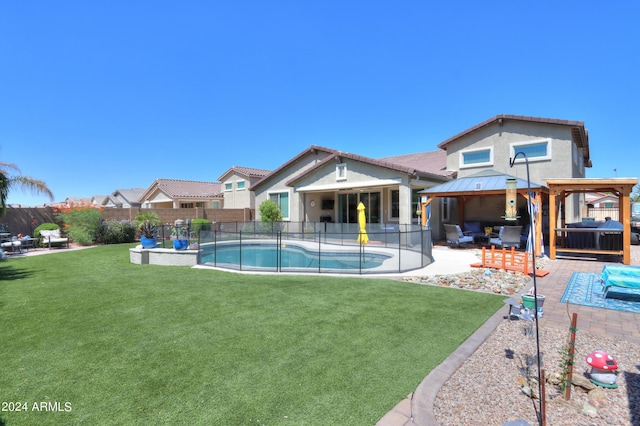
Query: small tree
x=82, y=221
x=270, y=212
x=146, y=221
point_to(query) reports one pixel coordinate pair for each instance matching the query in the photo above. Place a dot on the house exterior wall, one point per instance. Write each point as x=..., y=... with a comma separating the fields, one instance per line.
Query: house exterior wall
x=238, y=198
x=308, y=193
x=277, y=183
x=566, y=160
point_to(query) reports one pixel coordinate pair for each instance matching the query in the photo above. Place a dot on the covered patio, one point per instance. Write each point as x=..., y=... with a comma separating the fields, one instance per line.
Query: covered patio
x=488, y=183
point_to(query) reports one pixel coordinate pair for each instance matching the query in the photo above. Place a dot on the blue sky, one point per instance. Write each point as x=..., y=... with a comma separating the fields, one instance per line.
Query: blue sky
x=97, y=96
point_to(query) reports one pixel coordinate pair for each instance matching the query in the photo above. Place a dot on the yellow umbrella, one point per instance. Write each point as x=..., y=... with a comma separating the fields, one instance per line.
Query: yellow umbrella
x=362, y=221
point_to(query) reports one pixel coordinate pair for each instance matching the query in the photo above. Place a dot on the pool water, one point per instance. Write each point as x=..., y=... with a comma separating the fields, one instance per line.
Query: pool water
x=266, y=256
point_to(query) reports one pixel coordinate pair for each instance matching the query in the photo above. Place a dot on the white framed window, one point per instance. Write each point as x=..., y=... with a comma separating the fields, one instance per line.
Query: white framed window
x=240, y=185
x=341, y=171
x=479, y=157
x=228, y=186
x=537, y=150
x=282, y=200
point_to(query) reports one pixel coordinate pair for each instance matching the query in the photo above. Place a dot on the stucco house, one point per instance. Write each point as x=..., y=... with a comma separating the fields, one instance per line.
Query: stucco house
x=123, y=198
x=176, y=194
x=237, y=183
x=556, y=149
x=325, y=185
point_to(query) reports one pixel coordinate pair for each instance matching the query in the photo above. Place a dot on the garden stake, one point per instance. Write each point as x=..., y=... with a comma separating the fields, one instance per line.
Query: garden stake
x=543, y=401
x=571, y=355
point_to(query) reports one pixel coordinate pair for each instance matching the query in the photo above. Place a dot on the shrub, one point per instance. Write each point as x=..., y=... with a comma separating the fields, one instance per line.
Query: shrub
x=46, y=226
x=198, y=225
x=270, y=212
x=116, y=232
x=82, y=221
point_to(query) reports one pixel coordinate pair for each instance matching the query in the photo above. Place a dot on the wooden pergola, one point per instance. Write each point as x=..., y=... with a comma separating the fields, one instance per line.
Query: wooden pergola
x=560, y=189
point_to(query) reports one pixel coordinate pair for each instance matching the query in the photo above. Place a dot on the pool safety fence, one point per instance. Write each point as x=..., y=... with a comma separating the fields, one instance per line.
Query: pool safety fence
x=318, y=247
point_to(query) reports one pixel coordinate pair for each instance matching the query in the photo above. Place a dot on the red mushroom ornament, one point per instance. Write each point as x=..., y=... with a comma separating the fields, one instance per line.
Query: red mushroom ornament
x=603, y=369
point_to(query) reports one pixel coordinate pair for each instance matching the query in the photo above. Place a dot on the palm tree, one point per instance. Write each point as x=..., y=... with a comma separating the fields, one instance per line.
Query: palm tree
x=7, y=182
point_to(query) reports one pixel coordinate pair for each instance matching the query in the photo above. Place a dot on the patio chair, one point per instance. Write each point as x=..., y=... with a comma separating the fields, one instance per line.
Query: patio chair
x=509, y=236
x=455, y=236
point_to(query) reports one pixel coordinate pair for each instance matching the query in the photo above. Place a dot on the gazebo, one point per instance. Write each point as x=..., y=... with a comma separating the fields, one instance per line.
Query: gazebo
x=488, y=183
x=560, y=189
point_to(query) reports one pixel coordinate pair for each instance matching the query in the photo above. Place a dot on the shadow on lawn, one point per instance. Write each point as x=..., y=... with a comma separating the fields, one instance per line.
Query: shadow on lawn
x=9, y=273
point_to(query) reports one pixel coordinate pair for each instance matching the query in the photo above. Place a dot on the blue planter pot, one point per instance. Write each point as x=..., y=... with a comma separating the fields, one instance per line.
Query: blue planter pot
x=147, y=243
x=180, y=244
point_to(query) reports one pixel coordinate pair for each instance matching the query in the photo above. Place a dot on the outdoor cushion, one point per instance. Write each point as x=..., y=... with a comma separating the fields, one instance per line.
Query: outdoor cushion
x=52, y=237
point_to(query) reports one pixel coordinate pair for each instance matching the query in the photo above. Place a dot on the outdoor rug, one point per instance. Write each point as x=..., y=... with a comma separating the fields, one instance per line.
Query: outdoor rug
x=586, y=289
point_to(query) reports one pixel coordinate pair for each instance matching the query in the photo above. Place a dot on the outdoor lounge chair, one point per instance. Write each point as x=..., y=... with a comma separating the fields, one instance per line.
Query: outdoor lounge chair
x=53, y=238
x=509, y=236
x=11, y=245
x=455, y=236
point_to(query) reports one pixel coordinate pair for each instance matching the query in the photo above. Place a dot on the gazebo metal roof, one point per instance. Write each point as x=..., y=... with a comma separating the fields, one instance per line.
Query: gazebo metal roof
x=486, y=182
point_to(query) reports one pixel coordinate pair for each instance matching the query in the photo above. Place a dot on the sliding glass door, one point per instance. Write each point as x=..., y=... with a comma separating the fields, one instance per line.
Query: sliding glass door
x=348, y=206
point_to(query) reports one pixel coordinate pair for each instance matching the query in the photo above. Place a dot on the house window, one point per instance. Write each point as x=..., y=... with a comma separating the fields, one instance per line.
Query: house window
x=282, y=200
x=200, y=204
x=395, y=204
x=228, y=186
x=415, y=203
x=240, y=185
x=445, y=208
x=476, y=157
x=348, y=207
x=535, y=150
x=186, y=205
x=216, y=204
x=341, y=171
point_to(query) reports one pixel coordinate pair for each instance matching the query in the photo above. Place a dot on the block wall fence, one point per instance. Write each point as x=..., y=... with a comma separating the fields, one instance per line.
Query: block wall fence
x=25, y=220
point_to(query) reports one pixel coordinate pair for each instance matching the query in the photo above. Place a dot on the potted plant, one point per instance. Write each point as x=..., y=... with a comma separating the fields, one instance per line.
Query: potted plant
x=147, y=223
x=180, y=234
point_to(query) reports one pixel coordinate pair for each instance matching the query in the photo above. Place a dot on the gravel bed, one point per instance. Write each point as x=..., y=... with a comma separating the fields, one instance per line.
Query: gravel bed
x=491, y=386
x=488, y=388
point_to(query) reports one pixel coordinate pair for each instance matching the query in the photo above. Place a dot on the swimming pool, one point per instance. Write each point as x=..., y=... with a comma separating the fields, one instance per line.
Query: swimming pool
x=288, y=256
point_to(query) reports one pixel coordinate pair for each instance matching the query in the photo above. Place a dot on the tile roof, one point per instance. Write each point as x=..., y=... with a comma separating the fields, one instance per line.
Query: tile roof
x=427, y=164
x=188, y=188
x=131, y=195
x=246, y=171
x=434, y=162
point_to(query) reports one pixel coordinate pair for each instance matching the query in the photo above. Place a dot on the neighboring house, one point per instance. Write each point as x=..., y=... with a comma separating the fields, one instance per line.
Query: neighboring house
x=556, y=149
x=124, y=198
x=237, y=185
x=323, y=184
x=77, y=201
x=179, y=194
x=97, y=200
x=601, y=200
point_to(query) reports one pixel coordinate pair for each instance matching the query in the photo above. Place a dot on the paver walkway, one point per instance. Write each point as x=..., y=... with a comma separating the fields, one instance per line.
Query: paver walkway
x=417, y=408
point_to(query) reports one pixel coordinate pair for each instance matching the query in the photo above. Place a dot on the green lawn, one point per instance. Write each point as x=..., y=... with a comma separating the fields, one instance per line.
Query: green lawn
x=126, y=344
